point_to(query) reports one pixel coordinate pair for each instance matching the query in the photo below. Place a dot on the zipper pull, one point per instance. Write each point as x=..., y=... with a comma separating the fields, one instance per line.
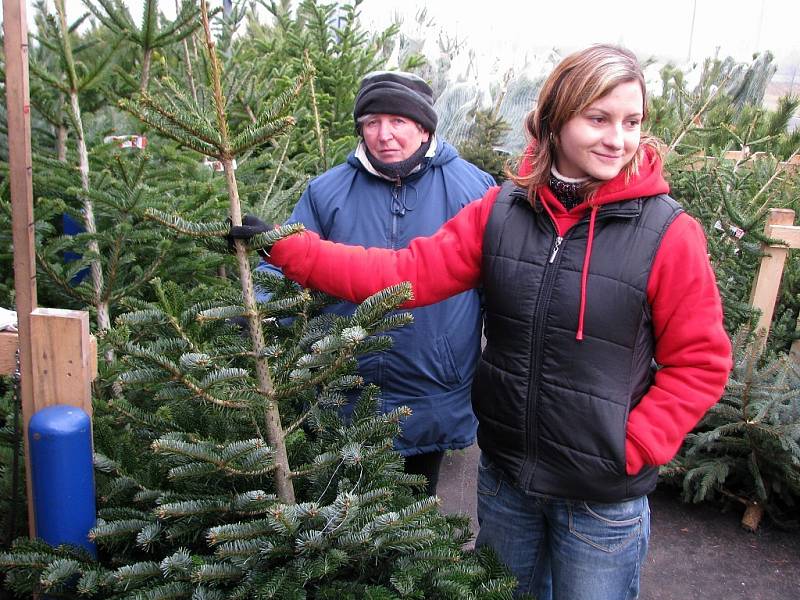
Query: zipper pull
x=397, y=206
x=556, y=246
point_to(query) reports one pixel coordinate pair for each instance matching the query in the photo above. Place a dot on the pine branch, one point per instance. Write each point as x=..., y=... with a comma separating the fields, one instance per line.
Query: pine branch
x=95, y=581
x=100, y=68
x=63, y=283
x=215, y=229
x=177, y=375
x=147, y=275
x=254, y=136
x=114, y=16
x=49, y=79
x=59, y=571
x=217, y=573
x=242, y=458
x=184, y=25
x=191, y=123
x=376, y=306
x=114, y=531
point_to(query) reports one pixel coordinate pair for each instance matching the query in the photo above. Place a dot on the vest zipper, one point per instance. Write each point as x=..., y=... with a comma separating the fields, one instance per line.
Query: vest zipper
x=556, y=246
x=537, y=341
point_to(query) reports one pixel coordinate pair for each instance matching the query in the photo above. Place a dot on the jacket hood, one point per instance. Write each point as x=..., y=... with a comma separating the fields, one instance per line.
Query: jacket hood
x=647, y=181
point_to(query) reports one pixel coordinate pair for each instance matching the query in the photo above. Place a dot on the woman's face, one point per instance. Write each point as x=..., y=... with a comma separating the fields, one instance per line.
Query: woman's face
x=603, y=138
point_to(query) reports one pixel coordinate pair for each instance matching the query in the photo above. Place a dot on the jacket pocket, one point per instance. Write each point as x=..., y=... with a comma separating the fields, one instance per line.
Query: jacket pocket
x=451, y=374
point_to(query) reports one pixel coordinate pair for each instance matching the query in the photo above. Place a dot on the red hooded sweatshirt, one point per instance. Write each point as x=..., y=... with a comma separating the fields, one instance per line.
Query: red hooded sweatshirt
x=691, y=345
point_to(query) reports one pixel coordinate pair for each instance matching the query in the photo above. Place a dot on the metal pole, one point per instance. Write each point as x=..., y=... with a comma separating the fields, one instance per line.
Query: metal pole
x=15, y=43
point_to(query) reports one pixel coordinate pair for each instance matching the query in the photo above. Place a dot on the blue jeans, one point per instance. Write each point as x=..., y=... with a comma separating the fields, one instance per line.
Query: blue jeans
x=563, y=549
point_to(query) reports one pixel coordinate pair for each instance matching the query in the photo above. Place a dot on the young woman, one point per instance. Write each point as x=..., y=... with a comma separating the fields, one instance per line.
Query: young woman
x=604, y=335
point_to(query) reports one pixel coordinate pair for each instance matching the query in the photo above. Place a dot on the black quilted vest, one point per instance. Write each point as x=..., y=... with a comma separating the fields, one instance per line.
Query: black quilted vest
x=552, y=410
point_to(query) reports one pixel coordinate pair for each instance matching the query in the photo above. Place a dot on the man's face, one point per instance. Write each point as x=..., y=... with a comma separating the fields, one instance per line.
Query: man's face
x=392, y=138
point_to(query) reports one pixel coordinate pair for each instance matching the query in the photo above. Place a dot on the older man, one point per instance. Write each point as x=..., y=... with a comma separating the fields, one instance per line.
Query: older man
x=401, y=182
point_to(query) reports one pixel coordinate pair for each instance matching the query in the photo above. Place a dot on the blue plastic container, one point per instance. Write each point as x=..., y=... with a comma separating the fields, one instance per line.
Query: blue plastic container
x=62, y=474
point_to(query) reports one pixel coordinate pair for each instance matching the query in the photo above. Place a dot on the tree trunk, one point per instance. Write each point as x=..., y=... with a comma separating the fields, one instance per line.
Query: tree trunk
x=101, y=305
x=274, y=430
x=61, y=131
x=61, y=143
x=752, y=516
x=187, y=58
x=146, y=60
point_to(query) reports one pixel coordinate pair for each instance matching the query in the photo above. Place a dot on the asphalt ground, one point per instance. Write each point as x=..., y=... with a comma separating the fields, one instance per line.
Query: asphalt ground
x=697, y=551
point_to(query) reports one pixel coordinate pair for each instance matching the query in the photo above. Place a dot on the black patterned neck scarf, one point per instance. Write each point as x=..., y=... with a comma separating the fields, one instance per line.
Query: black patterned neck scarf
x=567, y=192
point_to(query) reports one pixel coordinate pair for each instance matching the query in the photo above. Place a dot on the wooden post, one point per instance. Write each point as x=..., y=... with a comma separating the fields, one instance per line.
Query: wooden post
x=791, y=235
x=768, y=278
x=15, y=45
x=64, y=358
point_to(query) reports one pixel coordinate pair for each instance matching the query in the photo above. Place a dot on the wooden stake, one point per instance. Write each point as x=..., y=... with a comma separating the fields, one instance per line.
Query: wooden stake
x=768, y=278
x=15, y=45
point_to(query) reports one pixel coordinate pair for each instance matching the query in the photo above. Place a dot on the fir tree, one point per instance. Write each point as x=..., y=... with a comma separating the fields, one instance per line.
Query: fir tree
x=252, y=487
x=730, y=198
x=743, y=448
x=123, y=186
x=331, y=38
x=151, y=35
x=188, y=124
x=71, y=84
x=747, y=447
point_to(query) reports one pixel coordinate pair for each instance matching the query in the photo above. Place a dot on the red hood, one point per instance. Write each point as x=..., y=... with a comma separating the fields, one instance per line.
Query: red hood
x=647, y=181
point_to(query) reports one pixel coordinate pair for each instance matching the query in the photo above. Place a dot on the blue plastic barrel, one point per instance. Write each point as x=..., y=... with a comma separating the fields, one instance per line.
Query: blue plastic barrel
x=62, y=475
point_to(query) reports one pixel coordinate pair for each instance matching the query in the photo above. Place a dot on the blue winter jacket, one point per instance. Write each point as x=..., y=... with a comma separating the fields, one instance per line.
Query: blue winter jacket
x=430, y=365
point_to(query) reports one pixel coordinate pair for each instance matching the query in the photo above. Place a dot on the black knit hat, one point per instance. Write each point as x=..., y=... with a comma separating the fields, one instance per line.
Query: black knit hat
x=396, y=93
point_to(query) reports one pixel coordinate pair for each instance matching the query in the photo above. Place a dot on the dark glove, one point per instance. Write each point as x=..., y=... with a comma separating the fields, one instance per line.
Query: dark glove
x=250, y=227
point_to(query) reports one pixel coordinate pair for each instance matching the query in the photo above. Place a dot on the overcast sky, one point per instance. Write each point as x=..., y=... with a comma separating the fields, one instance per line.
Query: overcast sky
x=737, y=27
x=501, y=32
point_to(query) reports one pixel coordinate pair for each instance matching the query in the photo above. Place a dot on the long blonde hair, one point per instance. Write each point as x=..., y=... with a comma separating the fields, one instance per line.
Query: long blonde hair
x=577, y=81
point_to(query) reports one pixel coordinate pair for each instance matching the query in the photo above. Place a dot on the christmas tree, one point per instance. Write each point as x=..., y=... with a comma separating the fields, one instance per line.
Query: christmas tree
x=747, y=447
x=226, y=470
